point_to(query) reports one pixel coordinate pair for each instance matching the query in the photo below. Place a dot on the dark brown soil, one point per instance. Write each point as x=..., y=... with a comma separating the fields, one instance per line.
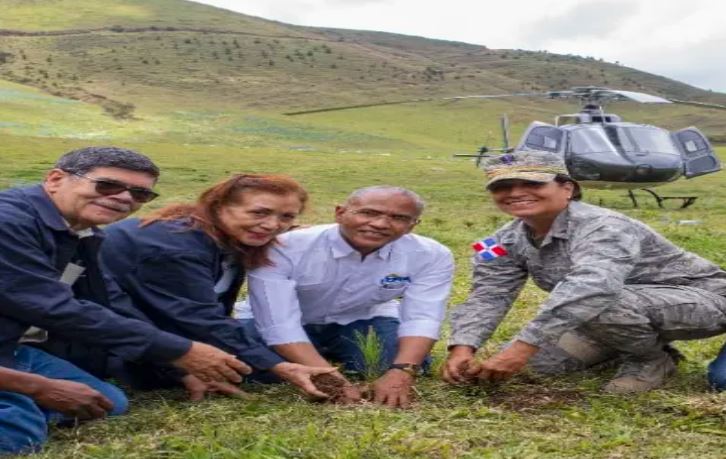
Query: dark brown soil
x=463, y=366
x=532, y=399
x=528, y=394
x=332, y=386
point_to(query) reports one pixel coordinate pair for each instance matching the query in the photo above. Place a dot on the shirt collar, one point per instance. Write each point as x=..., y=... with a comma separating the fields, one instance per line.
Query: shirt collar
x=50, y=215
x=87, y=232
x=559, y=226
x=47, y=211
x=341, y=248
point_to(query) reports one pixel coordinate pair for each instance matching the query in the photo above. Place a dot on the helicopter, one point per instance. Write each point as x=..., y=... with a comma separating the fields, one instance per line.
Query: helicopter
x=601, y=150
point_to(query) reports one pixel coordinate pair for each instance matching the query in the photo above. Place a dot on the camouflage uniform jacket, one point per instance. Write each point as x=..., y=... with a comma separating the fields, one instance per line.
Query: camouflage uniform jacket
x=588, y=256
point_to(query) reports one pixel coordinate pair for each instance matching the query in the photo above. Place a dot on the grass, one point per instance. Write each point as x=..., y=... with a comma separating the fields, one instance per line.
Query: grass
x=79, y=14
x=682, y=420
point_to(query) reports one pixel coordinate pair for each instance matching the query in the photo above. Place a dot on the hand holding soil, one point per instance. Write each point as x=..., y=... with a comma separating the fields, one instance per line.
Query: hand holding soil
x=338, y=389
x=460, y=366
x=302, y=376
x=508, y=362
x=469, y=370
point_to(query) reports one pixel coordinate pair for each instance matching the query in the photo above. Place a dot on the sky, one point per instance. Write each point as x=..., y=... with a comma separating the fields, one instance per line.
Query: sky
x=680, y=39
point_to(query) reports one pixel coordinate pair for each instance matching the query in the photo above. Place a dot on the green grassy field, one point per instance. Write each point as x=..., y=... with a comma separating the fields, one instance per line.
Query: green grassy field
x=567, y=417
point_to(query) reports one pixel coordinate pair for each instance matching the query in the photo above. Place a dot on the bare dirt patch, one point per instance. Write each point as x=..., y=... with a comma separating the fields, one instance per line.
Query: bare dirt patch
x=528, y=394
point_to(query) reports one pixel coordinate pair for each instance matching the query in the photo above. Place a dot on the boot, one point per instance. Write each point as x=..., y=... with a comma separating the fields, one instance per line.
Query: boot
x=641, y=375
x=675, y=354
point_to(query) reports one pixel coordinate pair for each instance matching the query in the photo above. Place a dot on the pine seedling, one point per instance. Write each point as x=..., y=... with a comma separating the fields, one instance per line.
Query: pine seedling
x=371, y=348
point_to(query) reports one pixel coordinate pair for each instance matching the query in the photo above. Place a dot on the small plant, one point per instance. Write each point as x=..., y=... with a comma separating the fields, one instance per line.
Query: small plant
x=371, y=348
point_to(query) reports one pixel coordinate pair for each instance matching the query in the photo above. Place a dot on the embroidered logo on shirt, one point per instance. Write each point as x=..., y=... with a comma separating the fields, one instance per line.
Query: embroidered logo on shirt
x=488, y=249
x=395, y=281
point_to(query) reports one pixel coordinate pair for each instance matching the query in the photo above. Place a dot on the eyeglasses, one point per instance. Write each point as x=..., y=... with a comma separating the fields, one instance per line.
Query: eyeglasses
x=370, y=214
x=108, y=187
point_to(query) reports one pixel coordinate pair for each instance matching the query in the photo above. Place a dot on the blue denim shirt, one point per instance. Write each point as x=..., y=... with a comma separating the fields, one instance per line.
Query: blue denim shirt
x=171, y=271
x=35, y=247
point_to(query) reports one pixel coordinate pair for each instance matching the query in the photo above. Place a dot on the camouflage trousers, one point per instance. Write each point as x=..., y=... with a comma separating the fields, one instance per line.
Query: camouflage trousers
x=637, y=326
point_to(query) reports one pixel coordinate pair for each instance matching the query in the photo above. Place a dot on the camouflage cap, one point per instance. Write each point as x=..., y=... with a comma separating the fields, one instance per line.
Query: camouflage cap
x=533, y=166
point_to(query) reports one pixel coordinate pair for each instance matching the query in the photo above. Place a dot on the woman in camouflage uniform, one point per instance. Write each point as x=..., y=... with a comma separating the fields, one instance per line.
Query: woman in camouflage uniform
x=617, y=288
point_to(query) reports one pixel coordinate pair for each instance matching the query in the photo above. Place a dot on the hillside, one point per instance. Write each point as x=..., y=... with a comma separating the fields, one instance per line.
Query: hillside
x=135, y=58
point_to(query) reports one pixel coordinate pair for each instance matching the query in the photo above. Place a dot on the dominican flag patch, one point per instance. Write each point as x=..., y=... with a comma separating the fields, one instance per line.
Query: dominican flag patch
x=488, y=249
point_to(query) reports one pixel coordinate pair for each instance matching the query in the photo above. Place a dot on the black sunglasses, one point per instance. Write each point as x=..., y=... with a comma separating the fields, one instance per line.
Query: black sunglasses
x=108, y=187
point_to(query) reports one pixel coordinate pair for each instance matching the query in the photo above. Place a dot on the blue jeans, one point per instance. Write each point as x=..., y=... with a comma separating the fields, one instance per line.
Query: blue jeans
x=717, y=371
x=24, y=424
x=339, y=343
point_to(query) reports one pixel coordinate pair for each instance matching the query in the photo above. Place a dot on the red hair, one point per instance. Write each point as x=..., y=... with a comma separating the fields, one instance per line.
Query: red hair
x=204, y=215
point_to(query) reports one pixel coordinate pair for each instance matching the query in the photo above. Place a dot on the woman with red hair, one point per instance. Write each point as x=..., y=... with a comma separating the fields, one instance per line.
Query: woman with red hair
x=183, y=267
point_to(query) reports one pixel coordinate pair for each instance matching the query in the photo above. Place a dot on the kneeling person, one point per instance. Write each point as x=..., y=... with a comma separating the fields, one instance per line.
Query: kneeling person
x=50, y=279
x=329, y=285
x=616, y=287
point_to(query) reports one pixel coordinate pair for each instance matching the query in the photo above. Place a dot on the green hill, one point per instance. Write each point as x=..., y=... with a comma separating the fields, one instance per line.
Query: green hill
x=138, y=59
x=61, y=15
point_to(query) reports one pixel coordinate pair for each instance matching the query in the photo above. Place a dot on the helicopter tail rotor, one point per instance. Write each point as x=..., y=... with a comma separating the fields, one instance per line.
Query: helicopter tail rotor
x=698, y=104
x=504, y=121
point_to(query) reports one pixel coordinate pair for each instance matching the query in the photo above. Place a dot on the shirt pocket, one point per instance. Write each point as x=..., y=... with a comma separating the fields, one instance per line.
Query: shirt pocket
x=387, y=294
x=309, y=293
x=305, y=288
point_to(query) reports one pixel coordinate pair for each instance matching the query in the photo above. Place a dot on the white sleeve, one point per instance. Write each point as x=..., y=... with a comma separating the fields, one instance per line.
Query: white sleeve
x=423, y=307
x=274, y=303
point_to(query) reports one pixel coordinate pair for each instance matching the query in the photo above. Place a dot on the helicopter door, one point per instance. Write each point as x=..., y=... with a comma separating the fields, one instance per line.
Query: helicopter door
x=541, y=136
x=697, y=153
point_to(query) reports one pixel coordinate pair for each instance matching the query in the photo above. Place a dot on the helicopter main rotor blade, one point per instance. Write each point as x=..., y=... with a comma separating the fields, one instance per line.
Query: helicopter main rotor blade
x=699, y=104
x=410, y=101
x=641, y=97
x=587, y=94
x=496, y=96
x=350, y=107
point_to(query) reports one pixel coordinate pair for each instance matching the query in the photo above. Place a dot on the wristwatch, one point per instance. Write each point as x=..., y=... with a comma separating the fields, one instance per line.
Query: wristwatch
x=410, y=368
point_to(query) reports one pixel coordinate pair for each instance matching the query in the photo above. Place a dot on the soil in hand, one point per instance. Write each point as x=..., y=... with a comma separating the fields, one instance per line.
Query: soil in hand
x=334, y=387
x=463, y=367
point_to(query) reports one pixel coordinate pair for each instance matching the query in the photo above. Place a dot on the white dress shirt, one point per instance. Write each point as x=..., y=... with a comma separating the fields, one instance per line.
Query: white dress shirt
x=318, y=278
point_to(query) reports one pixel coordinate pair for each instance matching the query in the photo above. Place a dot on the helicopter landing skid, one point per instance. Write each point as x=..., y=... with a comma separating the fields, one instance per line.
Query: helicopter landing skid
x=685, y=200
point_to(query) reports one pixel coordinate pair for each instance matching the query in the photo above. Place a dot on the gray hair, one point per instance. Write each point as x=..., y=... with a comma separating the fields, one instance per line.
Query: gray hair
x=360, y=192
x=84, y=160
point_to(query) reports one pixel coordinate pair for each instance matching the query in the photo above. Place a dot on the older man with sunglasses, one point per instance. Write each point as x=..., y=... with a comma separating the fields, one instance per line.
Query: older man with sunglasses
x=330, y=285
x=54, y=296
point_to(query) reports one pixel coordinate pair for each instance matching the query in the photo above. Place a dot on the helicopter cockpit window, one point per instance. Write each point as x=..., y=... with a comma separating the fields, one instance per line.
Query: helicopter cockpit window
x=546, y=138
x=653, y=140
x=626, y=139
x=591, y=140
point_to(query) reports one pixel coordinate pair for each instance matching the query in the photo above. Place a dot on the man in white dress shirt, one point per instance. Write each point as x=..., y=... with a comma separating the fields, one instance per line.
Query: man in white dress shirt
x=333, y=283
